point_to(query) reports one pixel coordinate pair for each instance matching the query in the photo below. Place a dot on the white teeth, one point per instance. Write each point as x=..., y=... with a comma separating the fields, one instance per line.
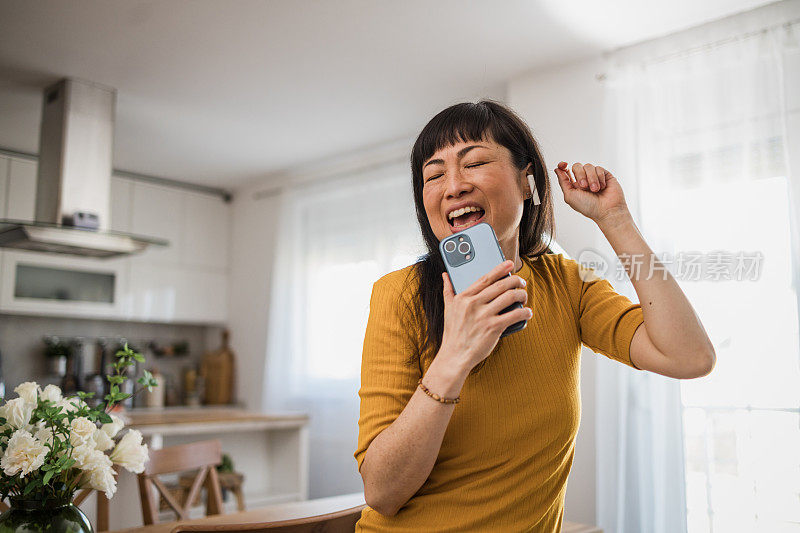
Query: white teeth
x=459, y=212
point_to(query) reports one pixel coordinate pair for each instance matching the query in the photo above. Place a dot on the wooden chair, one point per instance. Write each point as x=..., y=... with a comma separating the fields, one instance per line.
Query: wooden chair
x=232, y=481
x=337, y=522
x=204, y=455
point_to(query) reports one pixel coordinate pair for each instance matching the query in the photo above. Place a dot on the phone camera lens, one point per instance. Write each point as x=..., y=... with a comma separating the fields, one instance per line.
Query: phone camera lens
x=464, y=247
x=449, y=246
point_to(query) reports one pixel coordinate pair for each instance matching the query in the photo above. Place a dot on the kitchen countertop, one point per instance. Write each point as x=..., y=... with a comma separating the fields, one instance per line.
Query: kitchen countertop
x=187, y=420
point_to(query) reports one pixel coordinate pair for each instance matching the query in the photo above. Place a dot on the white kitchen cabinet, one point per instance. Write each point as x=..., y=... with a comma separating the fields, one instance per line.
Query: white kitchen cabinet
x=185, y=282
x=121, y=193
x=203, y=297
x=152, y=293
x=206, y=220
x=21, y=187
x=4, y=164
x=157, y=211
x=162, y=293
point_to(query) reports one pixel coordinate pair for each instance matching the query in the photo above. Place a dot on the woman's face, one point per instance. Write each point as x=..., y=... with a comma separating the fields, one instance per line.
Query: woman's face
x=474, y=173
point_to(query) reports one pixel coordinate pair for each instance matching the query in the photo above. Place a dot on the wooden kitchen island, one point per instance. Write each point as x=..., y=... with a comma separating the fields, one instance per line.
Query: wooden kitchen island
x=270, y=449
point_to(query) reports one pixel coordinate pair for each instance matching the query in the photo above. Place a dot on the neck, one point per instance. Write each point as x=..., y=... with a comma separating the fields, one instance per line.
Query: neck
x=510, y=249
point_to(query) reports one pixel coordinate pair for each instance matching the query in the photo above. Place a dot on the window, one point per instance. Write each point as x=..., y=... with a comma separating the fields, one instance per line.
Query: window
x=741, y=422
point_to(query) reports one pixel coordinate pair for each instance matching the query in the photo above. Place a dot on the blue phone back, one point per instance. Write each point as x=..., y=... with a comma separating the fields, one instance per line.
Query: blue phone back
x=485, y=255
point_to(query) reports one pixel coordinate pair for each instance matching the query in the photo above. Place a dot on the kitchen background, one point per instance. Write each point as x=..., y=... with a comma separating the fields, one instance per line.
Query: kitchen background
x=268, y=143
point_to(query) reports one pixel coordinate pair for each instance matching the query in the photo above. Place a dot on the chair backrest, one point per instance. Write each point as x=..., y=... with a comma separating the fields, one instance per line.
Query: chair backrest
x=203, y=456
x=337, y=522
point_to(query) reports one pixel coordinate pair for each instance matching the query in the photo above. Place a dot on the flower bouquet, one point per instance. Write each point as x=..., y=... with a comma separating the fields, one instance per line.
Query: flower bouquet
x=52, y=446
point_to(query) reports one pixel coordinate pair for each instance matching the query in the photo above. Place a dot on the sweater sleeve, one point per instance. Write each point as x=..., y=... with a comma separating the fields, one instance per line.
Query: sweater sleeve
x=607, y=319
x=388, y=378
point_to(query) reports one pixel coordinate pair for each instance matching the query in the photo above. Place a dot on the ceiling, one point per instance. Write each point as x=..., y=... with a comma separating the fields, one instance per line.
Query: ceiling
x=220, y=93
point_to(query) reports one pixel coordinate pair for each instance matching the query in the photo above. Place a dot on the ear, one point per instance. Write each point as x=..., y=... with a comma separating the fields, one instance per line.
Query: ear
x=531, y=185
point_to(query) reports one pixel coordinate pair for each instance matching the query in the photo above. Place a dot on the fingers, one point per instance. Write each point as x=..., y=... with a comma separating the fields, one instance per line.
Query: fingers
x=499, y=287
x=564, y=179
x=592, y=176
x=501, y=322
x=507, y=298
x=601, y=176
x=587, y=176
x=447, y=290
x=487, y=279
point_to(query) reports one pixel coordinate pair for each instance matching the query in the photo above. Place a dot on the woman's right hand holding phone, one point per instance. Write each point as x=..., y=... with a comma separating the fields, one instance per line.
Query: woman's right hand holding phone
x=472, y=320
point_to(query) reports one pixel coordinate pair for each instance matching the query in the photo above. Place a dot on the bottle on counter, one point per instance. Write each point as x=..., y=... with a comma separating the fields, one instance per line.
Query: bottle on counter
x=96, y=381
x=155, y=397
x=70, y=383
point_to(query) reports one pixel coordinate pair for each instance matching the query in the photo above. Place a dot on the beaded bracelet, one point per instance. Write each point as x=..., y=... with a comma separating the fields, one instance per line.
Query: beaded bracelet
x=436, y=396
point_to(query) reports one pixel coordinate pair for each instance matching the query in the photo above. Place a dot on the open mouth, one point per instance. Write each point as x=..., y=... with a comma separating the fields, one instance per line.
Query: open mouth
x=466, y=220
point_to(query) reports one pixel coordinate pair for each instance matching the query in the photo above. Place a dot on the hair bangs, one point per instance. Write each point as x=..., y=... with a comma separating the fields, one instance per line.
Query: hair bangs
x=454, y=125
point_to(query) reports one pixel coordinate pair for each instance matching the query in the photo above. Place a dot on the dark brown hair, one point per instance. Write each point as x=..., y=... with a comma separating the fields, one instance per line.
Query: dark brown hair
x=465, y=122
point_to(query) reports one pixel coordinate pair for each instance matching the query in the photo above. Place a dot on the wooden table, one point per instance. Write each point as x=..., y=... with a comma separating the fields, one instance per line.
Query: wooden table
x=288, y=511
x=281, y=511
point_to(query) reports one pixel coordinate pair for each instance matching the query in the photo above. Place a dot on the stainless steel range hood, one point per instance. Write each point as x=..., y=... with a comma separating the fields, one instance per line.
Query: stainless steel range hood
x=73, y=190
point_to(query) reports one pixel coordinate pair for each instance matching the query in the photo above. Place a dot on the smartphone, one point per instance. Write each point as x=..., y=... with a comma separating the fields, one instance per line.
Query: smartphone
x=470, y=254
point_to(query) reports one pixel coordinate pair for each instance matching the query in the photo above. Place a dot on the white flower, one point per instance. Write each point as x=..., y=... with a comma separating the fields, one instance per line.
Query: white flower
x=23, y=455
x=44, y=435
x=70, y=405
x=17, y=412
x=28, y=391
x=102, y=441
x=81, y=430
x=97, y=468
x=102, y=478
x=112, y=428
x=130, y=453
x=82, y=455
x=52, y=393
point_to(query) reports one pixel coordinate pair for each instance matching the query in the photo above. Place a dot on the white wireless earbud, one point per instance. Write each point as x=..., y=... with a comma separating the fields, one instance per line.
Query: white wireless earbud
x=534, y=192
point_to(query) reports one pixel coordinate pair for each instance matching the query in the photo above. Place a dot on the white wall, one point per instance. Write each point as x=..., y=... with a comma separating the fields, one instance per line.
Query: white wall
x=252, y=243
x=564, y=108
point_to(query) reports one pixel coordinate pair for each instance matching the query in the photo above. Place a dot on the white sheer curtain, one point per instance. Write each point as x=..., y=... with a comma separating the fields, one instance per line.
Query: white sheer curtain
x=336, y=238
x=703, y=133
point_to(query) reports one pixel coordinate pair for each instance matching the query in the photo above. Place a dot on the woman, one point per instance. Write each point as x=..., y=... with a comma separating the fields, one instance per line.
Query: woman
x=460, y=430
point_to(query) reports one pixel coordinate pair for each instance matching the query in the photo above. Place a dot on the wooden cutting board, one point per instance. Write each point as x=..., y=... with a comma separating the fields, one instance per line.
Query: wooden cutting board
x=218, y=369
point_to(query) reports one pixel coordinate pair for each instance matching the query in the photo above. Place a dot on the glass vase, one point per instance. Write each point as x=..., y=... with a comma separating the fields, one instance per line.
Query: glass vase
x=53, y=516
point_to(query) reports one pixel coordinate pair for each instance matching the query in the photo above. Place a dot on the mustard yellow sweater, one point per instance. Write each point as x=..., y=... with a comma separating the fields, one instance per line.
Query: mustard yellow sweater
x=508, y=448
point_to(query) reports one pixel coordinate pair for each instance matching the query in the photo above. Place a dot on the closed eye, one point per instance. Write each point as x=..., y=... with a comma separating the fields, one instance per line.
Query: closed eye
x=468, y=166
